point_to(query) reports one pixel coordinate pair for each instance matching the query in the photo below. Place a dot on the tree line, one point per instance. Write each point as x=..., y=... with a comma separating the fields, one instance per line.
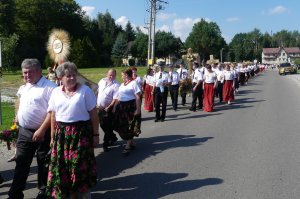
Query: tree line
x=25, y=26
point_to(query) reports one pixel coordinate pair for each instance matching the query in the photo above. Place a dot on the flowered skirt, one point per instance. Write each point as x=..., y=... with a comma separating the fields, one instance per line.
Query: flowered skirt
x=126, y=123
x=73, y=164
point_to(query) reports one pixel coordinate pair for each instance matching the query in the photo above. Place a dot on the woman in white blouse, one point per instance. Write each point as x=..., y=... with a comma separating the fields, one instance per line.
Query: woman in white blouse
x=74, y=134
x=229, y=85
x=210, y=83
x=128, y=111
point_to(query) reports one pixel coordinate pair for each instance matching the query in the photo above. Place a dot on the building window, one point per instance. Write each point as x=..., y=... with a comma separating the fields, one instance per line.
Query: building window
x=283, y=54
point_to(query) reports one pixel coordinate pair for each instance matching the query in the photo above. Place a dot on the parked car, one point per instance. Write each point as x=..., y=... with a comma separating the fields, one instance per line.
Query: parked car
x=285, y=68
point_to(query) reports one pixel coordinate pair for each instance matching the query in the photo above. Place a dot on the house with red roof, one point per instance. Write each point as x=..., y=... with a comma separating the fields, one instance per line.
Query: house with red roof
x=280, y=55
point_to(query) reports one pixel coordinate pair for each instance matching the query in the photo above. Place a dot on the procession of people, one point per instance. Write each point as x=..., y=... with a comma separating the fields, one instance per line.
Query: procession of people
x=62, y=122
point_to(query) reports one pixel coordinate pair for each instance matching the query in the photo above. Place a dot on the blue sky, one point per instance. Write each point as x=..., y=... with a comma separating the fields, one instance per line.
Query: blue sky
x=179, y=16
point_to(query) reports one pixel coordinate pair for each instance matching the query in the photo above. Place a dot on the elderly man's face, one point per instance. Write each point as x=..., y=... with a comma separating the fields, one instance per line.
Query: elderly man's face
x=111, y=75
x=31, y=75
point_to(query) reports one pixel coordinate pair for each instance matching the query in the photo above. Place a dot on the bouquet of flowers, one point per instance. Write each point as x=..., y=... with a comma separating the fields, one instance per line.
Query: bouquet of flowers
x=9, y=135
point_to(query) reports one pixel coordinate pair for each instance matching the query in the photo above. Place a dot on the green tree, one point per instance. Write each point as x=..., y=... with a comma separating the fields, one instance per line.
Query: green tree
x=119, y=49
x=139, y=47
x=109, y=32
x=166, y=44
x=36, y=18
x=7, y=10
x=206, y=39
x=129, y=32
x=83, y=54
x=9, y=55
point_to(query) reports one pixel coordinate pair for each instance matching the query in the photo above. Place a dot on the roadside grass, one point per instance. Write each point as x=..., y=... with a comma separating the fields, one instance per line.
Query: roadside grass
x=8, y=114
x=14, y=79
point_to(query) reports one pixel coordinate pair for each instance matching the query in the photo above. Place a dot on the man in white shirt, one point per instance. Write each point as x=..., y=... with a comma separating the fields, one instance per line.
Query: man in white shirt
x=160, y=90
x=183, y=74
x=107, y=96
x=174, y=87
x=34, y=128
x=197, y=91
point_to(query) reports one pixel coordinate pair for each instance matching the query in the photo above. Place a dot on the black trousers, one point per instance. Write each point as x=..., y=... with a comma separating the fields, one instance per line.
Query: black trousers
x=219, y=91
x=197, y=94
x=161, y=98
x=26, y=149
x=107, y=126
x=174, y=95
x=183, y=98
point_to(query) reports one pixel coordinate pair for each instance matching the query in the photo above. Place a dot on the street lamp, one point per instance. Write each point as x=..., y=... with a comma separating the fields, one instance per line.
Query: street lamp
x=221, y=54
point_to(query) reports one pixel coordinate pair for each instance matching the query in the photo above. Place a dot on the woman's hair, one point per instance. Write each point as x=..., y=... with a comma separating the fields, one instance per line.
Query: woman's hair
x=149, y=71
x=134, y=68
x=208, y=66
x=128, y=72
x=67, y=66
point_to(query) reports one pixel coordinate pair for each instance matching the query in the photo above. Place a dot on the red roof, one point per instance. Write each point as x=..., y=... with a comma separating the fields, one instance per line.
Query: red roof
x=271, y=50
x=292, y=50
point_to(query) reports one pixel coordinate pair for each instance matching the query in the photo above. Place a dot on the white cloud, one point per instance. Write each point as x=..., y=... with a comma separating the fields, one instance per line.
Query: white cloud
x=182, y=27
x=277, y=10
x=122, y=21
x=164, y=28
x=88, y=10
x=232, y=19
x=165, y=16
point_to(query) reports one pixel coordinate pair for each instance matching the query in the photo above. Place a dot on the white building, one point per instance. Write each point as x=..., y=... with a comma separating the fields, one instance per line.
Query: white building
x=280, y=55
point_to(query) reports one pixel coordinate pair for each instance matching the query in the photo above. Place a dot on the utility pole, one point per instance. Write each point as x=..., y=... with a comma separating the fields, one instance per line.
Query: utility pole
x=155, y=5
x=0, y=82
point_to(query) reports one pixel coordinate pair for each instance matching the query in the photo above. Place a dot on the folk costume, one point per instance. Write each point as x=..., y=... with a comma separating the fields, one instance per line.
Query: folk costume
x=228, y=88
x=73, y=163
x=210, y=83
x=126, y=123
x=148, y=87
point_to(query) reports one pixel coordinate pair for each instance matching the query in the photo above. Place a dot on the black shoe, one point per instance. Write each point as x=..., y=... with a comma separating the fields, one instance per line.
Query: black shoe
x=42, y=195
x=1, y=179
x=156, y=120
x=199, y=107
x=192, y=109
x=105, y=147
x=113, y=141
x=162, y=120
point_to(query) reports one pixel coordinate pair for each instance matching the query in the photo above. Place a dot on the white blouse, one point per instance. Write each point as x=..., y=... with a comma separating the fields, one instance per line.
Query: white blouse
x=228, y=75
x=75, y=108
x=127, y=92
x=210, y=77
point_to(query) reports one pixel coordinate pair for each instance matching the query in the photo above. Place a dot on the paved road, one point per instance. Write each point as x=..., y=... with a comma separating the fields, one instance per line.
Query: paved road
x=248, y=150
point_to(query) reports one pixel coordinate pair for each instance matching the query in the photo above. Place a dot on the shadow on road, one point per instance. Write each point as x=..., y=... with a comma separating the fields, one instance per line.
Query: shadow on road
x=150, y=185
x=153, y=185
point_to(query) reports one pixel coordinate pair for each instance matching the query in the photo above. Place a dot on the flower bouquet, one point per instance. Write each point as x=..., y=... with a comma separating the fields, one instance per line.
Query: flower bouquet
x=9, y=136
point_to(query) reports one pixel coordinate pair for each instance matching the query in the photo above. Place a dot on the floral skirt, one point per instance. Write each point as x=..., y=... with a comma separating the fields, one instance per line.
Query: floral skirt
x=126, y=123
x=73, y=164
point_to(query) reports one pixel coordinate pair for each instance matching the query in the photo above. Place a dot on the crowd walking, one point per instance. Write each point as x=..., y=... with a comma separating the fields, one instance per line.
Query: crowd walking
x=61, y=122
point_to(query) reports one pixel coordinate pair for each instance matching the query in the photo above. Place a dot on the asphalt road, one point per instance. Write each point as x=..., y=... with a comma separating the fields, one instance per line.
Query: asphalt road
x=247, y=150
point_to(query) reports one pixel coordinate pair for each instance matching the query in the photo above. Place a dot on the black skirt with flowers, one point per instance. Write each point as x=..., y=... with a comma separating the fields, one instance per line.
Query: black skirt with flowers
x=73, y=164
x=126, y=123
